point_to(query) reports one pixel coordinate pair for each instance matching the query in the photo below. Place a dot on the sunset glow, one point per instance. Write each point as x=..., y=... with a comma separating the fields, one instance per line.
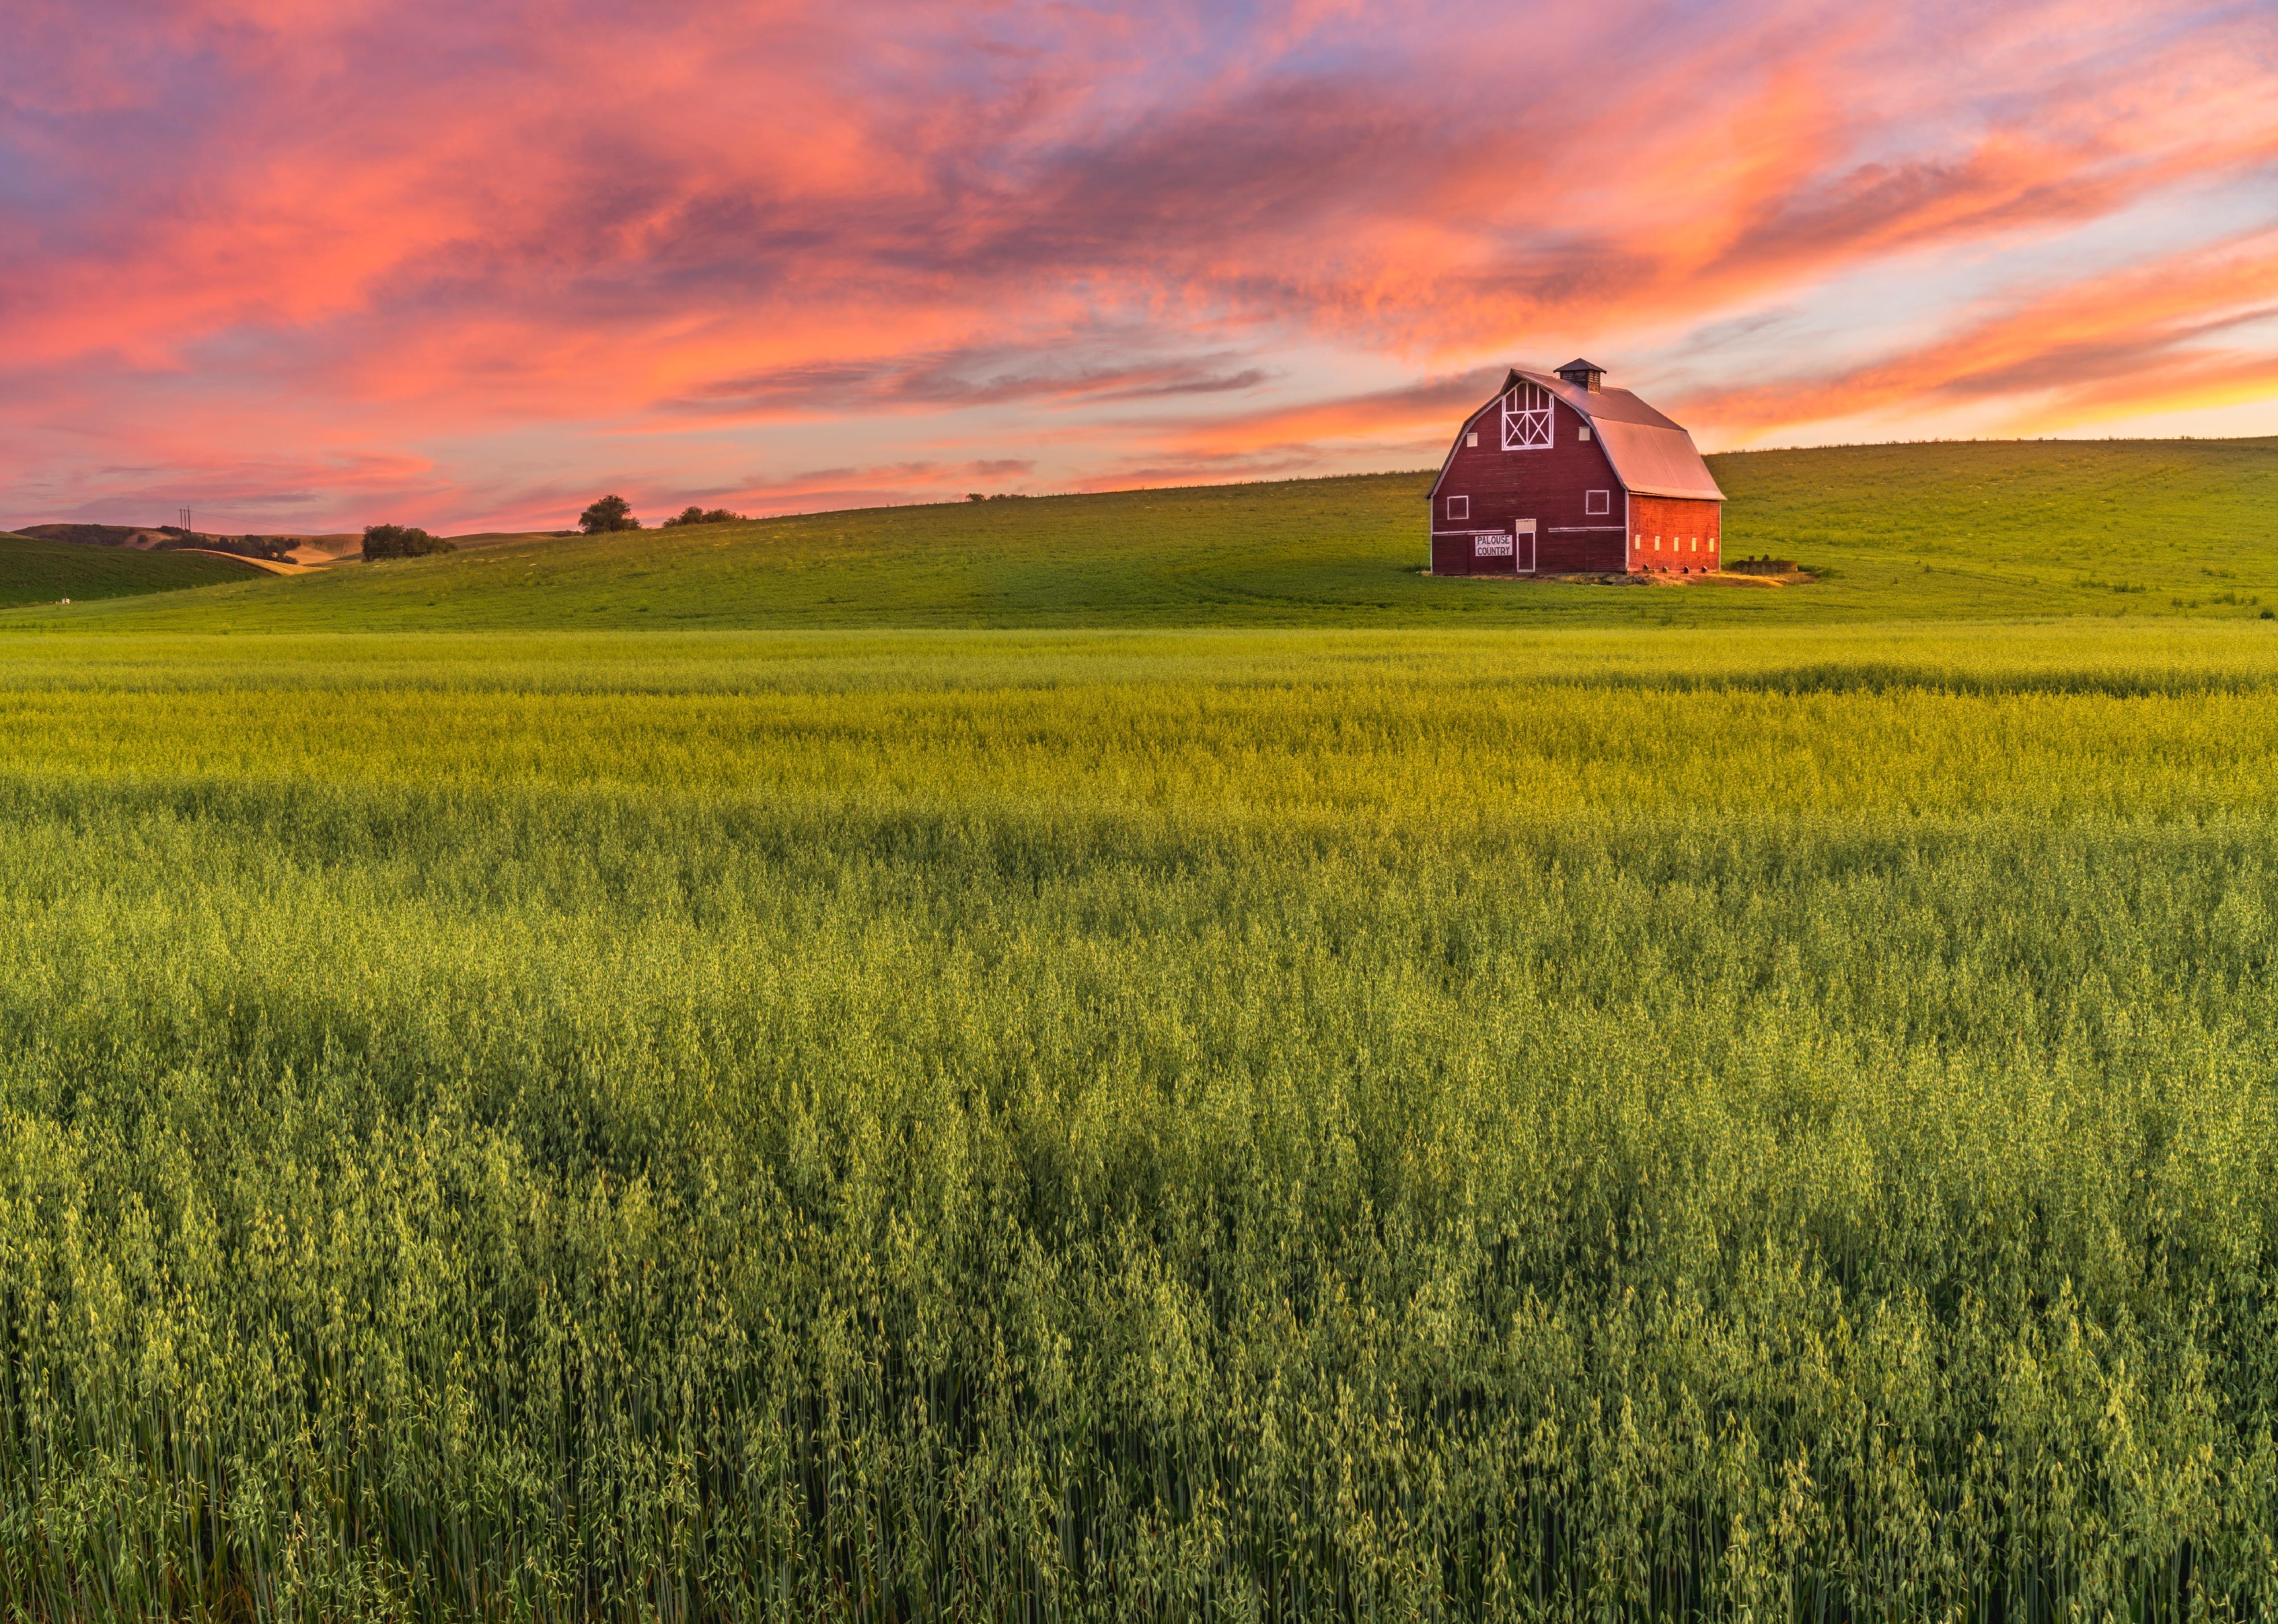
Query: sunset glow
x=304, y=267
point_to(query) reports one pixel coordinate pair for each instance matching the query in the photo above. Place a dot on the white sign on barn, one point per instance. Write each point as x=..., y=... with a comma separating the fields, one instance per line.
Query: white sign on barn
x=1490, y=544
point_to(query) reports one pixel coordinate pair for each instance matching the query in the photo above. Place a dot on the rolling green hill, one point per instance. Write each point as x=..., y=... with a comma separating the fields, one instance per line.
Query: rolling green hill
x=1969, y=530
x=32, y=570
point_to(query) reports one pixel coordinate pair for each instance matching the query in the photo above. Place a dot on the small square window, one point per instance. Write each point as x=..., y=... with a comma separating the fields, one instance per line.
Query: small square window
x=1583, y=433
x=1459, y=507
x=1473, y=439
x=1597, y=502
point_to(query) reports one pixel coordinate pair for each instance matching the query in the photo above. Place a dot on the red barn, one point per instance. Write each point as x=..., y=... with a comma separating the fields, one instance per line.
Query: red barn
x=1559, y=473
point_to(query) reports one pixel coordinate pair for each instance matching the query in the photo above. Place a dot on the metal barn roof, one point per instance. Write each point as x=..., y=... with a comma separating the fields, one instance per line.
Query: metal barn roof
x=1652, y=456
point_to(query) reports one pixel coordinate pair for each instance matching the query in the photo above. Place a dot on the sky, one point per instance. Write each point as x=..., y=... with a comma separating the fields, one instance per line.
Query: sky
x=309, y=265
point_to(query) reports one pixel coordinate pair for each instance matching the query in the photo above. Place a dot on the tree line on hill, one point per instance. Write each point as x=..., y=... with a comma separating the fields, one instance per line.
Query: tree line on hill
x=169, y=538
x=609, y=513
x=614, y=513
x=276, y=549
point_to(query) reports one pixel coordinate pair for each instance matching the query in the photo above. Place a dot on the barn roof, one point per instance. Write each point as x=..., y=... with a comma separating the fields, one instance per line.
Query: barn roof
x=1652, y=456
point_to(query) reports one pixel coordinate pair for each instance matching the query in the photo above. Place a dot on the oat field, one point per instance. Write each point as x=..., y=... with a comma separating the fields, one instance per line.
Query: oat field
x=1764, y=1123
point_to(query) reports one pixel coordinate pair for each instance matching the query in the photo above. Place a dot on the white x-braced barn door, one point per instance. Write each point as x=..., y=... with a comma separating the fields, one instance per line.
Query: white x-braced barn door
x=1526, y=418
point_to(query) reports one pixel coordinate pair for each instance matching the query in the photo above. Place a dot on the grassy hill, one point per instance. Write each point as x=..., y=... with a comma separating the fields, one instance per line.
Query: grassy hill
x=1969, y=530
x=37, y=571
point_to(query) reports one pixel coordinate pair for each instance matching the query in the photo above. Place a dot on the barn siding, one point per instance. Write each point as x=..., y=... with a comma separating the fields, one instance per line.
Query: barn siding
x=1547, y=487
x=1679, y=524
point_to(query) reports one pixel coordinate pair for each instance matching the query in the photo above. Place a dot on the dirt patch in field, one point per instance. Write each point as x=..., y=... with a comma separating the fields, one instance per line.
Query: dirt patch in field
x=1669, y=578
x=1734, y=578
x=272, y=565
x=317, y=551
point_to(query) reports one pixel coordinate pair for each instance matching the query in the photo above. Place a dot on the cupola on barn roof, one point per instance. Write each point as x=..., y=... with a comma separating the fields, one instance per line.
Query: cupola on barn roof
x=1587, y=374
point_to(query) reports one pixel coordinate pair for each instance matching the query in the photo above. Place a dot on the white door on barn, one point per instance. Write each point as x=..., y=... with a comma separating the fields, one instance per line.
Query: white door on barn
x=1522, y=547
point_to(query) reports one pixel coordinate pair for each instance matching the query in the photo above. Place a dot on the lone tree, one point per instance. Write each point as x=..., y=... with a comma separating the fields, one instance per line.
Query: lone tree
x=610, y=513
x=402, y=541
x=693, y=515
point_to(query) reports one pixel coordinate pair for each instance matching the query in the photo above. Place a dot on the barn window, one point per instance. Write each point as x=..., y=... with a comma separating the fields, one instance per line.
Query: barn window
x=1584, y=432
x=1696, y=544
x=1526, y=418
x=1471, y=438
x=1597, y=502
x=1656, y=544
x=1459, y=507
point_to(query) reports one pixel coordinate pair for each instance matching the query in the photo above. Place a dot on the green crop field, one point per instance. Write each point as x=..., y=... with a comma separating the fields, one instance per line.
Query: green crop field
x=36, y=571
x=1212, y=1081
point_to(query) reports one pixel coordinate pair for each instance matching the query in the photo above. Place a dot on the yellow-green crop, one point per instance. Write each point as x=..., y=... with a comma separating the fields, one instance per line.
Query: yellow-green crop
x=1264, y=1125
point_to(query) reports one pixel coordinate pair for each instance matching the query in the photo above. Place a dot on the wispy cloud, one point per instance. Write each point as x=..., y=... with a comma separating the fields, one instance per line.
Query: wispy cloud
x=965, y=378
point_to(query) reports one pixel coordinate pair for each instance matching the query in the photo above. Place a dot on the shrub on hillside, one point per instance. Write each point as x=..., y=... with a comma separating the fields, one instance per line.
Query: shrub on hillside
x=402, y=541
x=610, y=513
x=693, y=514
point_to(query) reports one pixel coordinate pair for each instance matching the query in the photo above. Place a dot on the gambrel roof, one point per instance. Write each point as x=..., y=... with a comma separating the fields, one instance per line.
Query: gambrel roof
x=1652, y=456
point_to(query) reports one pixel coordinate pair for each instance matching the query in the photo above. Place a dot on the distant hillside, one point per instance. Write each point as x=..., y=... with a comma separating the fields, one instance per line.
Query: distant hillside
x=165, y=538
x=39, y=569
x=1978, y=531
x=144, y=536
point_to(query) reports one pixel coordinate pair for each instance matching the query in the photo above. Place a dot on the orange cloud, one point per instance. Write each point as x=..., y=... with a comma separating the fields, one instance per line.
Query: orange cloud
x=2140, y=339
